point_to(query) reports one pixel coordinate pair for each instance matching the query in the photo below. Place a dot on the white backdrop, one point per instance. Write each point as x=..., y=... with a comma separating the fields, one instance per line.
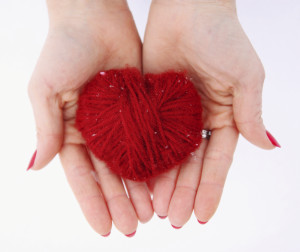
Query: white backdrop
x=260, y=207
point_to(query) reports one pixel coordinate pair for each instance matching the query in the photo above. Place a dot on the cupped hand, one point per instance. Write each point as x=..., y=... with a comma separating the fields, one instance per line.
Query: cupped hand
x=85, y=38
x=206, y=39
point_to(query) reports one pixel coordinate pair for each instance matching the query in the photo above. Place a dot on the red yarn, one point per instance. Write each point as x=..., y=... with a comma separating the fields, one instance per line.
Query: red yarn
x=140, y=126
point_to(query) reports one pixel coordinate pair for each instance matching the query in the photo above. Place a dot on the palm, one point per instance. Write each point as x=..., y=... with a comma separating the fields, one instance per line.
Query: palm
x=216, y=53
x=70, y=58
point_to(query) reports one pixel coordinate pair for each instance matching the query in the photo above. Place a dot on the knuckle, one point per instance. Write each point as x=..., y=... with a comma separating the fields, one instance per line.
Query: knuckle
x=79, y=171
x=167, y=179
x=41, y=134
x=195, y=159
x=115, y=197
x=217, y=185
x=251, y=120
x=135, y=186
x=190, y=188
x=41, y=87
x=219, y=156
x=86, y=199
x=250, y=127
x=254, y=80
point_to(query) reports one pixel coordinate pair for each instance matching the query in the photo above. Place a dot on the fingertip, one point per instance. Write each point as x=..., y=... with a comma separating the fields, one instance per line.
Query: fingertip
x=247, y=111
x=47, y=148
x=106, y=235
x=32, y=161
x=162, y=217
x=257, y=134
x=146, y=217
x=163, y=190
x=141, y=200
x=102, y=227
x=273, y=139
x=131, y=234
x=202, y=222
x=176, y=227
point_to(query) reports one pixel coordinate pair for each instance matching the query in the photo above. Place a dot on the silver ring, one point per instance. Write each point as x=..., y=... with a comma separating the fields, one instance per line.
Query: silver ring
x=206, y=134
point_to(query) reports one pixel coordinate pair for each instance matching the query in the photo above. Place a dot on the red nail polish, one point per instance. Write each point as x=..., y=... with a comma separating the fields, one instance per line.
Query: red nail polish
x=202, y=222
x=273, y=140
x=176, y=227
x=106, y=235
x=162, y=217
x=31, y=163
x=132, y=234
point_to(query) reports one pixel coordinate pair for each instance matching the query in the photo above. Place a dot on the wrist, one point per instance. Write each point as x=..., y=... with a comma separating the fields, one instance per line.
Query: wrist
x=230, y=4
x=204, y=8
x=70, y=11
x=198, y=1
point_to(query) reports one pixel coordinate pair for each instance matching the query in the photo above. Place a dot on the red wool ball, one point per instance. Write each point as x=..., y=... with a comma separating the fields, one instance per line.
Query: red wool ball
x=141, y=126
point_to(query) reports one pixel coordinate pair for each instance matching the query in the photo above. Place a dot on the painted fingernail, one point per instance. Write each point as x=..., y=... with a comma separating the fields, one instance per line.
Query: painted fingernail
x=202, y=222
x=106, y=235
x=162, y=217
x=130, y=235
x=176, y=227
x=31, y=163
x=273, y=140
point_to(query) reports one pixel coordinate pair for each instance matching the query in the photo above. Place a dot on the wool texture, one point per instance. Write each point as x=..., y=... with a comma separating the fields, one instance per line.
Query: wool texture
x=140, y=126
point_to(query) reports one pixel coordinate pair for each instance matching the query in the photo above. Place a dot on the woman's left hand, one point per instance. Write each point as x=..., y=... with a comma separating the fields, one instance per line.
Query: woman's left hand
x=206, y=39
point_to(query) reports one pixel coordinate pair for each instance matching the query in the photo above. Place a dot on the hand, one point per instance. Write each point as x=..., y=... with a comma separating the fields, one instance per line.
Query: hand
x=84, y=38
x=206, y=39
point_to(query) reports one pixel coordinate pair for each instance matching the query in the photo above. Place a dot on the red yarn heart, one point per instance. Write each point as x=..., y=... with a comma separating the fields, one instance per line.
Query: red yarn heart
x=140, y=126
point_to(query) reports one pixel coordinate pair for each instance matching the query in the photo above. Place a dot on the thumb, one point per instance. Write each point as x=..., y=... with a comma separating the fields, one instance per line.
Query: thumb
x=247, y=111
x=49, y=122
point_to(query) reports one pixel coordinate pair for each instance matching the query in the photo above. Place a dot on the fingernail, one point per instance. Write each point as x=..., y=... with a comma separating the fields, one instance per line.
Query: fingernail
x=130, y=235
x=31, y=163
x=273, y=140
x=106, y=235
x=162, y=217
x=202, y=222
x=176, y=227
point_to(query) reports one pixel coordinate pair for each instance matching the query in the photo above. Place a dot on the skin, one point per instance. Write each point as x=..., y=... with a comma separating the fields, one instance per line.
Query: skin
x=206, y=39
x=82, y=40
x=202, y=37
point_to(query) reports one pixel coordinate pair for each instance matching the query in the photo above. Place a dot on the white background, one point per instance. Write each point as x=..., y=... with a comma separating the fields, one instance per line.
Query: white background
x=259, y=210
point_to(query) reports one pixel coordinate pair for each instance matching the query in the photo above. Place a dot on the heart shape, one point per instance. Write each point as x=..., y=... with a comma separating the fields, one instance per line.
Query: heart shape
x=141, y=126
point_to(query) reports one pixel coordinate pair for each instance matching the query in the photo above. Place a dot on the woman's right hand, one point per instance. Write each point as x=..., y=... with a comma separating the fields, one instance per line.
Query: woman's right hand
x=85, y=37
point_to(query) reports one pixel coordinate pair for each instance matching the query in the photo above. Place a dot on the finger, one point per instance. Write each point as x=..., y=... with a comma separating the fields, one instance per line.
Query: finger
x=120, y=207
x=79, y=172
x=49, y=122
x=217, y=160
x=141, y=199
x=182, y=202
x=163, y=187
x=247, y=110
